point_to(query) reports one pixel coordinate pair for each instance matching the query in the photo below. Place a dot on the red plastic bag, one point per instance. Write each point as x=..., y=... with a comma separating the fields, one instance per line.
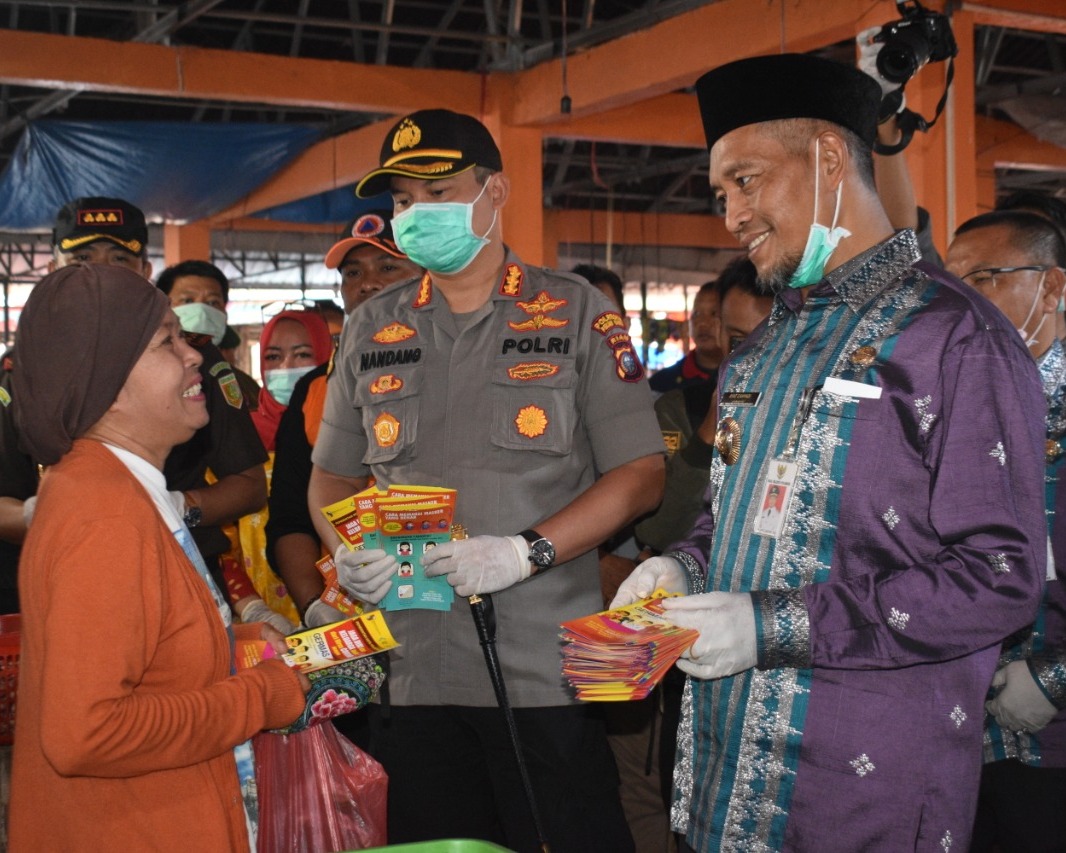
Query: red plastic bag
x=318, y=792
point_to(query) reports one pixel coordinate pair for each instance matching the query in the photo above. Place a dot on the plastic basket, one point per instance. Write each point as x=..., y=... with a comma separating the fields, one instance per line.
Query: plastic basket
x=10, y=642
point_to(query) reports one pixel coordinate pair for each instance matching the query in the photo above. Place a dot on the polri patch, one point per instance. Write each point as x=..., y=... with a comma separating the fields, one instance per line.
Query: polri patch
x=538, y=310
x=531, y=421
x=393, y=333
x=386, y=384
x=607, y=321
x=527, y=371
x=386, y=430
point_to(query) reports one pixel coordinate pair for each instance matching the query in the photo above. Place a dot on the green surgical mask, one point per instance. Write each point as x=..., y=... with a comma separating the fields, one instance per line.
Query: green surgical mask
x=821, y=241
x=440, y=237
x=282, y=380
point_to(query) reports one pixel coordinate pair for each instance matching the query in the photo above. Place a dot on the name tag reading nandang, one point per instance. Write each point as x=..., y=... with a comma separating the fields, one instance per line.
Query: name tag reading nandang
x=741, y=399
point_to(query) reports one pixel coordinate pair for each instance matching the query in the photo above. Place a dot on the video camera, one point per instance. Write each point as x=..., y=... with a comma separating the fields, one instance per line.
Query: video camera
x=920, y=36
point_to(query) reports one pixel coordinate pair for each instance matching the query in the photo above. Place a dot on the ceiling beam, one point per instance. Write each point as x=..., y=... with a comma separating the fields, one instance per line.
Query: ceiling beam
x=89, y=64
x=1004, y=145
x=672, y=54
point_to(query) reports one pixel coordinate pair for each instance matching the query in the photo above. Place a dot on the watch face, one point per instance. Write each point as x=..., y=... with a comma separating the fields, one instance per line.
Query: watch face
x=542, y=553
x=193, y=515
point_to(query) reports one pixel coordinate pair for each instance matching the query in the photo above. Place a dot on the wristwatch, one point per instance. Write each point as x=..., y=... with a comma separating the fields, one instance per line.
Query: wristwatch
x=541, y=551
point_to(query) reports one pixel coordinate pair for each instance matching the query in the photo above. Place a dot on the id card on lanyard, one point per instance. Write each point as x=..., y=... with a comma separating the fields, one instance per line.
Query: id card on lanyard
x=778, y=483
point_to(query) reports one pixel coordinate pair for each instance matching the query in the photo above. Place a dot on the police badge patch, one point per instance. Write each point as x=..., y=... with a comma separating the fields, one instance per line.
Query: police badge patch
x=231, y=389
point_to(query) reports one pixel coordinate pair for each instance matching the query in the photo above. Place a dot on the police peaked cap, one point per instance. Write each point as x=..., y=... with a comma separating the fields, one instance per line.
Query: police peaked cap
x=432, y=145
x=789, y=85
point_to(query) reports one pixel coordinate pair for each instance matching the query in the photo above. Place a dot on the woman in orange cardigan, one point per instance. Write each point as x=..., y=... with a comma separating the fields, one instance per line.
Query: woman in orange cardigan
x=132, y=728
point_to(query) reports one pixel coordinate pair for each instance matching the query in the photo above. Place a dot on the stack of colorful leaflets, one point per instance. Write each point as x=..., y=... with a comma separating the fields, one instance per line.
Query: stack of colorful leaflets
x=620, y=655
x=405, y=521
x=325, y=646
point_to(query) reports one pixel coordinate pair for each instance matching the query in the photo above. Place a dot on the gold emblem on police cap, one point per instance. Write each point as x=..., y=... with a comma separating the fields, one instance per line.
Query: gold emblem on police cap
x=727, y=440
x=864, y=356
x=407, y=135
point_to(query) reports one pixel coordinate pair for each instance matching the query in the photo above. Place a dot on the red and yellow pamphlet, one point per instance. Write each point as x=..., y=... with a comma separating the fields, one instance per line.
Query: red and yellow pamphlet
x=620, y=655
x=326, y=646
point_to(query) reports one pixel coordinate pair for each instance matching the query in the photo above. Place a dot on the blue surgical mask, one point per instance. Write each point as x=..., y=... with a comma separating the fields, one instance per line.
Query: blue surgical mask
x=280, y=381
x=440, y=237
x=198, y=318
x=821, y=241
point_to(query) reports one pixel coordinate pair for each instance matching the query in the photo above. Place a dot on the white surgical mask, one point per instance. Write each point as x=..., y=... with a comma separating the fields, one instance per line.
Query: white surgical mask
x=198, y=318
x=821, y=241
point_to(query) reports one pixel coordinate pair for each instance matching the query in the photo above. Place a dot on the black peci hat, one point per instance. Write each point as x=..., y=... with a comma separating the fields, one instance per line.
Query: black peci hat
x=431, y=145
x=790, y=85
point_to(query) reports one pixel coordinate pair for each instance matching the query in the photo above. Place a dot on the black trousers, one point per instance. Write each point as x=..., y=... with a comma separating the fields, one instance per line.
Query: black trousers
x=452, y=774
x=1020, y=809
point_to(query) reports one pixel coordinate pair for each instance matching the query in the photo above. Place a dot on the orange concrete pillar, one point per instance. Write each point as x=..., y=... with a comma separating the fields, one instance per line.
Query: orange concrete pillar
x=186, y=242
x=523, y=218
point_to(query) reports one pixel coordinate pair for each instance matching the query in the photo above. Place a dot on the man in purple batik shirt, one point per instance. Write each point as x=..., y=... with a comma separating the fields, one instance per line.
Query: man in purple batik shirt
x=884, y=414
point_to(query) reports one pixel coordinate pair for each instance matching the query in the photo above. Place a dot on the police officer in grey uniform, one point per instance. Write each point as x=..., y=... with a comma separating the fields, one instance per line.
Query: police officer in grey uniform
x=520, y=388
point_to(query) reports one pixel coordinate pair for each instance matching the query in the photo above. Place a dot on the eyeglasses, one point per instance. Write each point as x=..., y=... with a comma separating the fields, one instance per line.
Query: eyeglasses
x=985, y=279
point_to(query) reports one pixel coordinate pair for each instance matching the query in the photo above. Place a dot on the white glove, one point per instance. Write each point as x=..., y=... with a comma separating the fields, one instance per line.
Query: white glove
x=480, y=564
x=653, y=573
x=258, y=611
x=366, y=574
x=1021, y=705
x=319, y=613
x=726, y=622
x=28, y=507
x=867, y=63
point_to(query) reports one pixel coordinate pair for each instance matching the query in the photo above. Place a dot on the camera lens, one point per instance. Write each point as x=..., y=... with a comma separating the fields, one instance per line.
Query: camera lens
x=905, y=51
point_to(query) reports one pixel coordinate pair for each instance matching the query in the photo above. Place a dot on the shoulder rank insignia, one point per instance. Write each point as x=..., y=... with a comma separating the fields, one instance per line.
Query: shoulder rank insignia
x=386, y=430
x=607, y=321
x=425, y=292
x=393, y=334
x=512, y=281
x=231, y=389
x=527, y=371
x=531, y=421
x=385, y=384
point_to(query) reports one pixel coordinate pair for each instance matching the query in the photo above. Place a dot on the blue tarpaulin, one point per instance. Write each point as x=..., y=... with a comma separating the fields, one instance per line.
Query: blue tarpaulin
x=174, y=171
x=339, y=205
